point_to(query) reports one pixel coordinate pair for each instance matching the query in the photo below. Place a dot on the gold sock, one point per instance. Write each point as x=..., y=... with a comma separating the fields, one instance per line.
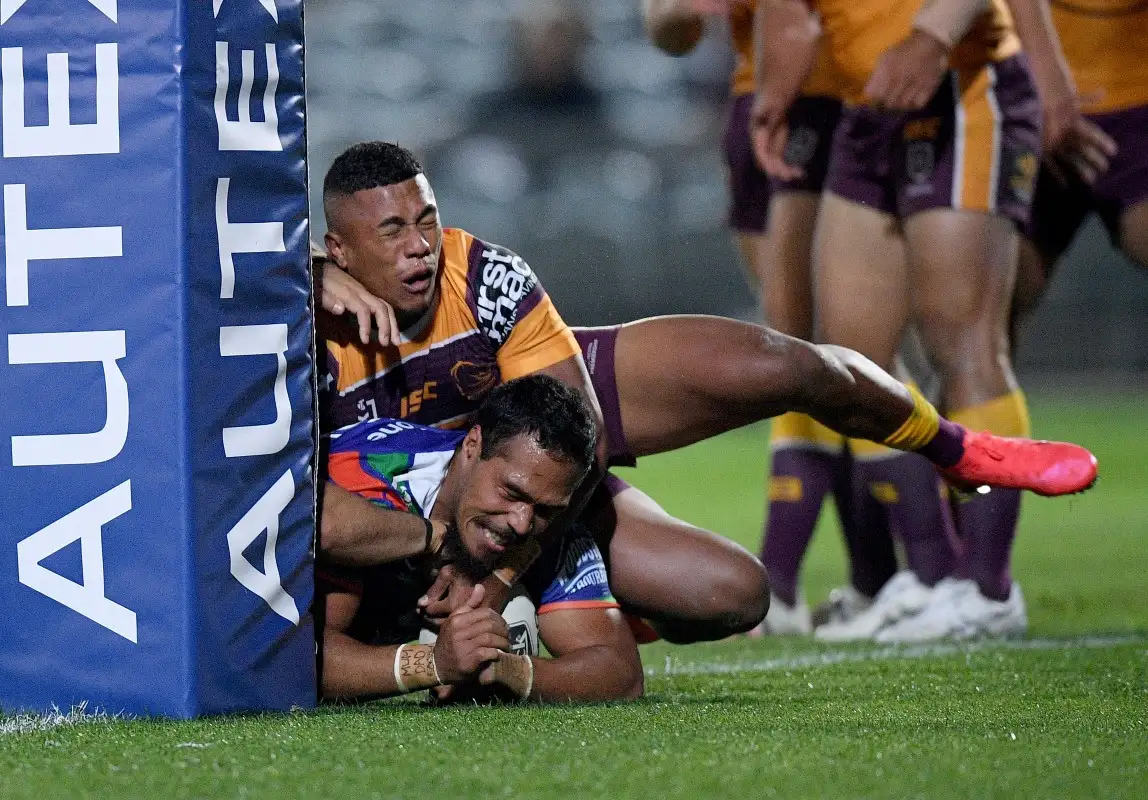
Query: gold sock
x=1004, y=416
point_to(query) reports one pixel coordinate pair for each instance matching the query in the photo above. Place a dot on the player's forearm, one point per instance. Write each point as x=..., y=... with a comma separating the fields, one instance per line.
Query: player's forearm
x=590, y=674
x=786, y=37
x=674, y=26
x=1038, y=36
x=355, y=532
x=948, y=21
x=352, y=669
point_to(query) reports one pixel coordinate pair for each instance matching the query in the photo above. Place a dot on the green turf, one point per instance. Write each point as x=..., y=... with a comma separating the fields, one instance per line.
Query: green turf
x=786, y=718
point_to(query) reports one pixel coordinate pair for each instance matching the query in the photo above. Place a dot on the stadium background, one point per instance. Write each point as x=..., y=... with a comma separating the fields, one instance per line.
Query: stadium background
x=556, y=129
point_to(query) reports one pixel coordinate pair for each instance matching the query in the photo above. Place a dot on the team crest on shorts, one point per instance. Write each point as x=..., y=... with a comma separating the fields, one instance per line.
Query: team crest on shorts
x=920, y=161
x=1024, y=171
x=801, y=147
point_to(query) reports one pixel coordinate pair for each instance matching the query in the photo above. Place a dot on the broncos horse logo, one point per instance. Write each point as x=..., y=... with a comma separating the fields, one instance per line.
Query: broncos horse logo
x=474, y=381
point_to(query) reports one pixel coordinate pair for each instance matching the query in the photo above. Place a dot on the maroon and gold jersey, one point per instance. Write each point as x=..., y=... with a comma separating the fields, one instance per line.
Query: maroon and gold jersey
x=492, y=322
x=858, y=32
x=1106, y=44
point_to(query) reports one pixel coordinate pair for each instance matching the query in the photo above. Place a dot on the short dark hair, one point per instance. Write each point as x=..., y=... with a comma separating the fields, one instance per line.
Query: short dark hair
x=546, y=410
x=368, y=165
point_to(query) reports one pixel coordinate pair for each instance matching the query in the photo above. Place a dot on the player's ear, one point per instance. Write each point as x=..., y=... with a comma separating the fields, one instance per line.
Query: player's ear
x=472, y=444
x=335, y=249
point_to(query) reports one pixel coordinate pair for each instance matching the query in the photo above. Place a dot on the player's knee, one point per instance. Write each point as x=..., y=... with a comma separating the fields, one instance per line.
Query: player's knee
x=744, y=599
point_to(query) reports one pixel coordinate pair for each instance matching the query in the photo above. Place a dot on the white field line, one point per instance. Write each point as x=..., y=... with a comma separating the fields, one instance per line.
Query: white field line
x=32, y=723
x=890, y=653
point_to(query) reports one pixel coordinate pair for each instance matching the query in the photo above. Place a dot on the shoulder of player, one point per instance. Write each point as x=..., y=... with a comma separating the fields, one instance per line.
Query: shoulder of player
x=500, y=288
x=387, y=435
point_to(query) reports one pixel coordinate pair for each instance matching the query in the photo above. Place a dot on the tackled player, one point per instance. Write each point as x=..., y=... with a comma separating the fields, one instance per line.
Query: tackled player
x=502, y=481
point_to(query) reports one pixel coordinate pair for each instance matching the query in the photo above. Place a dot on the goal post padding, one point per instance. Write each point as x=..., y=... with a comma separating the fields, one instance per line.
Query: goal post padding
x=157, y=510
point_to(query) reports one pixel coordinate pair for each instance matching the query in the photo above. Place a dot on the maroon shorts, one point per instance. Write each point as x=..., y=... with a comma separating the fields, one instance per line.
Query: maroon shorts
x=811, y=124
x=975, y=146
x=1060, y=207
x=598, y=352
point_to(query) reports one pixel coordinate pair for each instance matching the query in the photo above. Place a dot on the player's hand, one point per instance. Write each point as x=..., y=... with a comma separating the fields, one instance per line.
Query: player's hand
x=341, y=294
x=452, y=588
x=769, y=132
x=469, y=639
x=1085, y=149
x=908, y=73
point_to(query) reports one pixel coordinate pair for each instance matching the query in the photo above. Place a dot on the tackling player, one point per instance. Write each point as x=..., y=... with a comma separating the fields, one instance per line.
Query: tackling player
x=472, y=314
x=501, y=481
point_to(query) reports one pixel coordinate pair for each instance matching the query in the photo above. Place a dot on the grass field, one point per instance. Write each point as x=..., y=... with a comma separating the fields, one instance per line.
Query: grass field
x=1063, y=714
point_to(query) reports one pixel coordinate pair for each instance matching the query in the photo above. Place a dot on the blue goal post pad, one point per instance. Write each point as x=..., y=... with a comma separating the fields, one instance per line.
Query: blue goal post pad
x=157, y=419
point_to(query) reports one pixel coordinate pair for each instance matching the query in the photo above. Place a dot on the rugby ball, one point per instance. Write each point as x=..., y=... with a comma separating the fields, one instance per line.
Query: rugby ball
x=521, y=619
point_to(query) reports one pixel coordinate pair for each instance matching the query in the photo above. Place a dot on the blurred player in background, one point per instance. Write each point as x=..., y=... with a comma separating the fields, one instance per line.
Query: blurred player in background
x=774, y=222
x=1105, y=44
x=937, y=153
x=504, y=479
x=457, y=316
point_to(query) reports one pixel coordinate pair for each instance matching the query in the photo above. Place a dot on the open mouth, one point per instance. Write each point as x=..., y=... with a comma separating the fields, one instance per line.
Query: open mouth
x=419, y=281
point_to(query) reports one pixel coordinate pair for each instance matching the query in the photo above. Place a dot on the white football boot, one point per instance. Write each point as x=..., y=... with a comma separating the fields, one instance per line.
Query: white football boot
x=902, y=596
x=842, y=605
x=784, y=619
x=958, y=610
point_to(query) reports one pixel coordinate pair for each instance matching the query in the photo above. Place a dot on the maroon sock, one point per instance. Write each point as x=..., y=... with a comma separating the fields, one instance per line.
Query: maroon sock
x=794, y=506
x=947, y=447
x=865, y=528
x=987, y=524
x=920, y=517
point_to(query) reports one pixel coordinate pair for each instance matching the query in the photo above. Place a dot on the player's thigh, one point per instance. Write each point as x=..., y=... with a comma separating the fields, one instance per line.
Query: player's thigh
x=1134, y=233
x=860, y=279
x=685, y=378
x=662, y=567
x=787, y=269
x=963, y=265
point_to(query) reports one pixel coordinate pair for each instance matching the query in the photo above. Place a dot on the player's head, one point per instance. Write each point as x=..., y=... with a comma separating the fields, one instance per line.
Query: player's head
x=383, y=225
x=531, y=444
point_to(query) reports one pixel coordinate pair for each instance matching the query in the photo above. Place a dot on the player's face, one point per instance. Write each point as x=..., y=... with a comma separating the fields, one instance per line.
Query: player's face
x=511, y=495
x=388, y=238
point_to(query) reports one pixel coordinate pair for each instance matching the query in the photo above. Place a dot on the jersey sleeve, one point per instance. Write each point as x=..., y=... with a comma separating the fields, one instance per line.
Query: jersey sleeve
x=514, y=312
x=578, y=577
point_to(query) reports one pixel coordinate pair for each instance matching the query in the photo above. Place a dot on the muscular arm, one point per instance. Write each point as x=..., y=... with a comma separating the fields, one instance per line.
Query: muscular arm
x=786, y=35
x=355, y=532
x=594, y=658
x=351, y=668
x=674, y=26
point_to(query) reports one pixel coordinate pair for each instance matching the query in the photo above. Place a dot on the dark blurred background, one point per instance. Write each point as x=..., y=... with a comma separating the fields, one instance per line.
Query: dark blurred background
x=554, y=128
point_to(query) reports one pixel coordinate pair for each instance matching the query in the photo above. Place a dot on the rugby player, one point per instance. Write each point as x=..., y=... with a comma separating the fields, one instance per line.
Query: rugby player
x=456, y=316
x=1105, y=47
x=774, y=223
x=504, y=479
x=937, y=153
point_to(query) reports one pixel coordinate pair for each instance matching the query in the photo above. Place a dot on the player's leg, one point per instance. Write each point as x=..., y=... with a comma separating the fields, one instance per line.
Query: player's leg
x=1134, y=231
x=963, y=244
x=689, y=584
x=862, y=290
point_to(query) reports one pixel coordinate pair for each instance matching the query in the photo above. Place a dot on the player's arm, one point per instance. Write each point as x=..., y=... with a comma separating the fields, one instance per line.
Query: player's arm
x=786, y=35
x=674, y=26
x=469, y=640
x=1068, y=134
x=593, y=658
x=356, y=532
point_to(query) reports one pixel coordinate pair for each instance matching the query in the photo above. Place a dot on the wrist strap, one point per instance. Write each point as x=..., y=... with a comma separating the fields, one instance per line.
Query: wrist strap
x=430, y=535
x=415, y=668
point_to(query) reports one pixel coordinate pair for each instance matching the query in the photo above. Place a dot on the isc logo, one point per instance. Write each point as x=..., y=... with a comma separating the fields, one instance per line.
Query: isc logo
x=412, y=402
